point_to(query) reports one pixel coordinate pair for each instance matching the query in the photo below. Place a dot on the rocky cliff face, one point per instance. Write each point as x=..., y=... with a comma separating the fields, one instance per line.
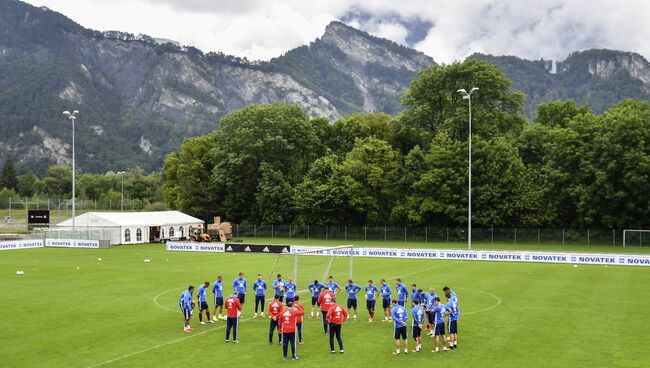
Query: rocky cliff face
x=139, y=98
x=598, y=78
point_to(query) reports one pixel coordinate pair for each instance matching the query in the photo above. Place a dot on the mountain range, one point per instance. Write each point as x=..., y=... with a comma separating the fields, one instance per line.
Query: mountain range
x=139, y=97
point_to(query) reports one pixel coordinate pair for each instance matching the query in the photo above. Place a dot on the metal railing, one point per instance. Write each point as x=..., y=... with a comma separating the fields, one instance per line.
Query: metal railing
x=535, y=236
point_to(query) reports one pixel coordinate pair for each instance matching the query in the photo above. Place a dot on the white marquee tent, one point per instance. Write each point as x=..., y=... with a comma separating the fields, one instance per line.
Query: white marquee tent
x=136, y=227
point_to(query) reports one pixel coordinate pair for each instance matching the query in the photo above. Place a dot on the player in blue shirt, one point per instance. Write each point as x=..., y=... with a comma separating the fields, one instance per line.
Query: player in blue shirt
x=418, y=319
x=333, y=286
x=278, y=287
x=290, y=287
x=400, y=316
x=202, y=301
x=239, y=285
x=423, y=296
x=352, y=290
x=446, y=290
x=371, y=292
x=315, y=289
x=428, y=308
x=414, y=293
x=386, y=292
x=186, y=304
x=439, y=311
x=260, y=293
x=217, y=290
x=453, y=312
x=402, y=293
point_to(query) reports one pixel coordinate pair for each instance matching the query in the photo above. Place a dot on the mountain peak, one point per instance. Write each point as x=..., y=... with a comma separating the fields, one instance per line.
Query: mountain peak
x=365, y=48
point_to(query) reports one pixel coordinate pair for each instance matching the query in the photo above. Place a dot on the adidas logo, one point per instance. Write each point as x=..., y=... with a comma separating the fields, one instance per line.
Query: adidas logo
x=229, y=249
x=285, y=250
x=247, y=249
x=266, y=250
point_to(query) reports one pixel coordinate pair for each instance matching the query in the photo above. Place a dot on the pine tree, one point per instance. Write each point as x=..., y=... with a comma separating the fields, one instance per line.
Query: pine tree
x=8, y=179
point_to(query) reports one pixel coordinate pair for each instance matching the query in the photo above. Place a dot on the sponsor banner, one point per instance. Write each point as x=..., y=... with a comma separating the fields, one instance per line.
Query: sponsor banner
x=21, y=244
x=257, y=248
x=482, y=255
x=72, y=243
x=195, y=247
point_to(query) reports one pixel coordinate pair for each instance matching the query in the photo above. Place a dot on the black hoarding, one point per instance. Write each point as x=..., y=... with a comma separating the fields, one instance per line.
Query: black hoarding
x=257, y=248
x=38, y=217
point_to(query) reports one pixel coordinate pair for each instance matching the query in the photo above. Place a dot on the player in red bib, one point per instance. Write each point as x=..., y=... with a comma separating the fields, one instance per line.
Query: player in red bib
x=233, y=309
x=336, y=316
x=275, y=310
x=288, y=326
x=297, y=304
x=325, y=300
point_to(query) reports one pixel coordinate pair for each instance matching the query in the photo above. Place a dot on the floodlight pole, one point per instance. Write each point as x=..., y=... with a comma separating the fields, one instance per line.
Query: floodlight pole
x=121, y=173
x=72, y=116
x=468, y=96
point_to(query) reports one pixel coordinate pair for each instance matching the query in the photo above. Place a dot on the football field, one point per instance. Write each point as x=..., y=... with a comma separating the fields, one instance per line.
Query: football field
x=71, y=310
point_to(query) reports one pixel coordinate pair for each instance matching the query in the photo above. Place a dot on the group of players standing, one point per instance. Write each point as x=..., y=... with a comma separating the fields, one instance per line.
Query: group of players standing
x=427, y=310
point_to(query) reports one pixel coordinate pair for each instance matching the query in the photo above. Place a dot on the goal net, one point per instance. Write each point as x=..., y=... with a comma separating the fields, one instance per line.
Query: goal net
x=636, y=238
x=315, y=263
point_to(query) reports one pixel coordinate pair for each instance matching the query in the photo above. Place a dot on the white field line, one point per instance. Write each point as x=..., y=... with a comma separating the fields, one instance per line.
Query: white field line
x=155, y=301
x=484, y=309
x=158, y=346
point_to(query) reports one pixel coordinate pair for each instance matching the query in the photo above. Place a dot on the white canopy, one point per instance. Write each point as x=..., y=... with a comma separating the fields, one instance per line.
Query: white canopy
x=112, y=219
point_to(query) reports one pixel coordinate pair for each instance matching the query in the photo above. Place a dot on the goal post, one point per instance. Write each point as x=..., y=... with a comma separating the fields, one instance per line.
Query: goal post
x=632, y=237
x=317, y=262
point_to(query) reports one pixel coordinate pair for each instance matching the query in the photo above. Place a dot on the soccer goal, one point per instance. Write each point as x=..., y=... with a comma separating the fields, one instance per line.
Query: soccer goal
x=315, y=263
x=636, y=238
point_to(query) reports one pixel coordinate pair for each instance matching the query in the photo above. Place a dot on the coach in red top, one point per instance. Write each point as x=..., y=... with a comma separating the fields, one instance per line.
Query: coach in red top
x=325, y=300
x=275, y=310
x=288, y=327
x=233, y=308
x=336, y=316
x=296, y=303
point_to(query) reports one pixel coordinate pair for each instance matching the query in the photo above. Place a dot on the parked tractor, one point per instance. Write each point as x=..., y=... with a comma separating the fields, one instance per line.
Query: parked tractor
x=198, y=235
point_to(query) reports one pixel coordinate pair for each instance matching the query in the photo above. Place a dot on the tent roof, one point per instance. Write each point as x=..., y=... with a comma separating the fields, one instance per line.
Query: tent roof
x=106, y=219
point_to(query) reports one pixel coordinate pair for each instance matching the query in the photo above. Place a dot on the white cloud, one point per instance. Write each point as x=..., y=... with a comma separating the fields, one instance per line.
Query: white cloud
x=261, y=29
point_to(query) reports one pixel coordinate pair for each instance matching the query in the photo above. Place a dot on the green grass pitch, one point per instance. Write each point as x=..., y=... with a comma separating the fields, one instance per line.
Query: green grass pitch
x=122, y=312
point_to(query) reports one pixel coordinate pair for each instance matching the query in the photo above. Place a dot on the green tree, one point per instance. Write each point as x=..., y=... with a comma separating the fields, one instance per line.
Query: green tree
x=438, y=195
x=8, y=179
x=611, y=189
x=414, y=166
x=273, y=197
x=497, y=173
x=320, y=199
x=28, y=185
x=370, y=174
x=279, y=135
x=58, y=181
x=187, y=178
x=347, y=129
x=433, y=104
x=559, y=113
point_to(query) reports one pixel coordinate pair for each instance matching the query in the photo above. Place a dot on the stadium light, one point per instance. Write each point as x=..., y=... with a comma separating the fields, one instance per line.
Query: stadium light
x=468, y=96
x=72, y=116
x=121, y=173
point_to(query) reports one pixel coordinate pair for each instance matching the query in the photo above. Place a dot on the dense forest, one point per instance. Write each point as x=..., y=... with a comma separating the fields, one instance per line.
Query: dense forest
x=571, y=168
x=141, y=191
x=272, y=164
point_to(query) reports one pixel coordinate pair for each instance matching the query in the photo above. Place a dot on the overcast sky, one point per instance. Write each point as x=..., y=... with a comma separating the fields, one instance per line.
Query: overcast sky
x=445, y=30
